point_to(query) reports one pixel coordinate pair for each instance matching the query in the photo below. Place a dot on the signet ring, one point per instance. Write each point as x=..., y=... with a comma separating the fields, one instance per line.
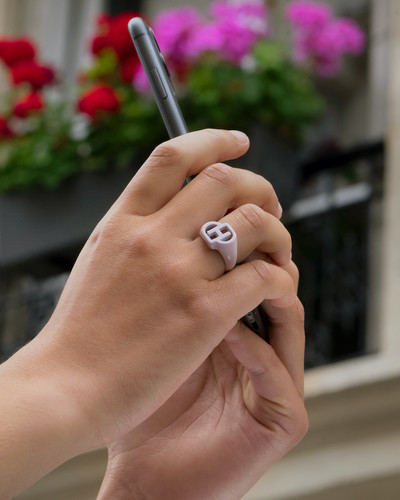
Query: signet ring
x=221, y=237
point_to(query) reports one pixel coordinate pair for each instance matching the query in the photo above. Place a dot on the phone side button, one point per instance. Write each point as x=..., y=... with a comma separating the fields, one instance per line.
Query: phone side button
x=158, y=83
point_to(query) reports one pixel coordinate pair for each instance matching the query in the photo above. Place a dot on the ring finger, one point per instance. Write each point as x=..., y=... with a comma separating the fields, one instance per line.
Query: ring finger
x=255, y=230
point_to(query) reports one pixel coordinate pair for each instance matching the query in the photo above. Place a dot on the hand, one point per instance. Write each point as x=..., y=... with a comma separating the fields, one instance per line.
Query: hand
x=144, y=307
x=237, y=414
x=147, y=301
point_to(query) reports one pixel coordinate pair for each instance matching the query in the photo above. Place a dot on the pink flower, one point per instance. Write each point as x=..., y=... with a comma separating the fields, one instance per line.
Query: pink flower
x=210, y=37
x=308, y=15
x=349, y=37
x=174, y=29
x=233, y=41
x=341, y=36
x=320, y=38
x=140, y=81
x=233, y=31
x=250, y=14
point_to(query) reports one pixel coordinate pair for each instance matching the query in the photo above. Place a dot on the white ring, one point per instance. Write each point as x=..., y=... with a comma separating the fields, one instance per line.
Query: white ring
x=221, y=237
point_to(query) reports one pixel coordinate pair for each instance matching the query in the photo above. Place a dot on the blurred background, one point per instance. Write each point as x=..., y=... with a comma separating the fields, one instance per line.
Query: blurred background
x=316, y=85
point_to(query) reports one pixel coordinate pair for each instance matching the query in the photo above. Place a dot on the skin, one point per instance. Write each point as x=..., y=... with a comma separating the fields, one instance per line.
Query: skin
x=145, y=351
x=228, y=423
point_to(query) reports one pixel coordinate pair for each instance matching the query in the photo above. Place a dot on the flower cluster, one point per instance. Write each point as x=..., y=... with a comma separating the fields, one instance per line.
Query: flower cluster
x=321, y=38
x=113, y=36
x=27, y=76
x=229, y=66
x=99, y=100
x=112, y=41
x=230, y=30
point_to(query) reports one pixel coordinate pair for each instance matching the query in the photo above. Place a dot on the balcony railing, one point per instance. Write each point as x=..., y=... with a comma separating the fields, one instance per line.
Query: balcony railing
x=331, y=229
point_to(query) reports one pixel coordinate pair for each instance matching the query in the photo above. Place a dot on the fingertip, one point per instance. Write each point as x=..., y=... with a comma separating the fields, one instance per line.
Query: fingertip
x=241, y=137
x=279, y=211
x=283, y=302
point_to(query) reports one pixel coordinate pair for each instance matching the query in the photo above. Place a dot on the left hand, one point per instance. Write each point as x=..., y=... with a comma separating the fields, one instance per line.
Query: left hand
x=237, y=414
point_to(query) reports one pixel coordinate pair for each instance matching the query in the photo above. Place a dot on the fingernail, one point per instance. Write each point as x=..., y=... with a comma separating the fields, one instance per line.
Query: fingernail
x=240, y=136
x=280, y=210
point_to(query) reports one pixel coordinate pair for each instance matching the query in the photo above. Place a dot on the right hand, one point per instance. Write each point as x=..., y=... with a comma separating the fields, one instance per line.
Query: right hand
x=147, y=302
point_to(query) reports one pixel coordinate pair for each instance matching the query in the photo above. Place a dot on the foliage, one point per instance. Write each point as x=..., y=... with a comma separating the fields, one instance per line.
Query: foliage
x=229, y=69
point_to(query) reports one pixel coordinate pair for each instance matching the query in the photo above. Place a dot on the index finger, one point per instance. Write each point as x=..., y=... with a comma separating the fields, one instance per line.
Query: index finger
x=164, y=172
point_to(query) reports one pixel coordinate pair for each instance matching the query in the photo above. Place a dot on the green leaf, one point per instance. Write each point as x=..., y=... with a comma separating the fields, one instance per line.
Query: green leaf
x=268, y=54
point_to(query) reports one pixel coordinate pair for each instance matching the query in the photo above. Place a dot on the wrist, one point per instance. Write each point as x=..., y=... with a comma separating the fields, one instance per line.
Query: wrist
x=41, y=426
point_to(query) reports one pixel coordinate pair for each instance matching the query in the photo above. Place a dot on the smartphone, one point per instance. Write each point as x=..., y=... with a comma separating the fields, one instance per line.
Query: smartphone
x=159, y=78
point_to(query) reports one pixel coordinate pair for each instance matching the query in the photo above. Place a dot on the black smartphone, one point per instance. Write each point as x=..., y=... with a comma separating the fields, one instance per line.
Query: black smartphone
x=159, y=78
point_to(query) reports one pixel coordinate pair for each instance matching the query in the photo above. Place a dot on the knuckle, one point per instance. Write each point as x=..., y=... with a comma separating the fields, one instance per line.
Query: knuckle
x=287, y=283
x=294, y=271
x=165, y=153
x=304, y=422
x=220, y=173
x=299, y=312
x=216, y=133
x=200, y=306
x=261, y=270
x=264, y=182
x=301, y=425
x=143, y=243
x=288, y=237
x=268, y=186
x=270, y=190
x=253, y=214
x=105, y=230
x=170, y=273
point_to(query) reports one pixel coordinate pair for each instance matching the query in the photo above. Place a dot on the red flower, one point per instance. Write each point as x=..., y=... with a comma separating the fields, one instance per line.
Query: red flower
x=114, y=34
x=100, y=43
x=13, y=52
x=128, y=68
x=29, y=103
x=5, y=130
x=102, y=19
x=36, y=75
x=99, y=99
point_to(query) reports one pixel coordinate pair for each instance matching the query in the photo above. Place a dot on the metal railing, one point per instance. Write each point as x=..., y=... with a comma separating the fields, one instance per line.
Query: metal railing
x=331, y=231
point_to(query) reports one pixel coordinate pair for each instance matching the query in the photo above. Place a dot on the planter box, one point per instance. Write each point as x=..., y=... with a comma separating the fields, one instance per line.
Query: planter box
x=42, y=222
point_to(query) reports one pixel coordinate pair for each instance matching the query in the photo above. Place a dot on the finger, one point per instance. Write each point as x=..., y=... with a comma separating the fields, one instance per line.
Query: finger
x=286, y=336
x=216, y=190
x=245, y=287
x=260, y=231
x=286, y=333
x=246, y=284
x=292, y=269
x=268, y=375
x=163, y=174
x=256, y=231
